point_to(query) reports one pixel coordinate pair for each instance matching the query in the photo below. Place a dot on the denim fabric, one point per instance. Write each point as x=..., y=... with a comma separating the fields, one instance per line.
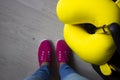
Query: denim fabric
x=67, y=73
x=42, y=73
x=33, y=78
x=74, y=76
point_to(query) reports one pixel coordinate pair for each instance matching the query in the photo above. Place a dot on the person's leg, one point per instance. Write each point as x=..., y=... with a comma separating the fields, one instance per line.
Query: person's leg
x=67, y=73
x=42, y=73
x=44, y=58
x=63, y=57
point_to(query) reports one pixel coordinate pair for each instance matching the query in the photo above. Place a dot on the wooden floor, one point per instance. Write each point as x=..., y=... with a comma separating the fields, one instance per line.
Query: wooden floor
x=23, y=25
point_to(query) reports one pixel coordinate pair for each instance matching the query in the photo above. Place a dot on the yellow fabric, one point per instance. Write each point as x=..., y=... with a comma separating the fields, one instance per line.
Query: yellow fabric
x=118, y=2
x=97, y=12
x=105, y=69
x=95, y=48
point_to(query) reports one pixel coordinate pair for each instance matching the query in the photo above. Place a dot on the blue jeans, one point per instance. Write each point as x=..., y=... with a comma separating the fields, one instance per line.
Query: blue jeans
x=66, y=73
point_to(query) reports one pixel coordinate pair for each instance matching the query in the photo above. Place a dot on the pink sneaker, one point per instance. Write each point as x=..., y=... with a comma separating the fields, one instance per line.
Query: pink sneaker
x=62, y=52
x=45, y=52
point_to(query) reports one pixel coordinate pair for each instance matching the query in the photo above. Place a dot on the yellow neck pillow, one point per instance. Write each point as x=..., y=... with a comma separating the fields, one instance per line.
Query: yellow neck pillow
x=86, y=27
